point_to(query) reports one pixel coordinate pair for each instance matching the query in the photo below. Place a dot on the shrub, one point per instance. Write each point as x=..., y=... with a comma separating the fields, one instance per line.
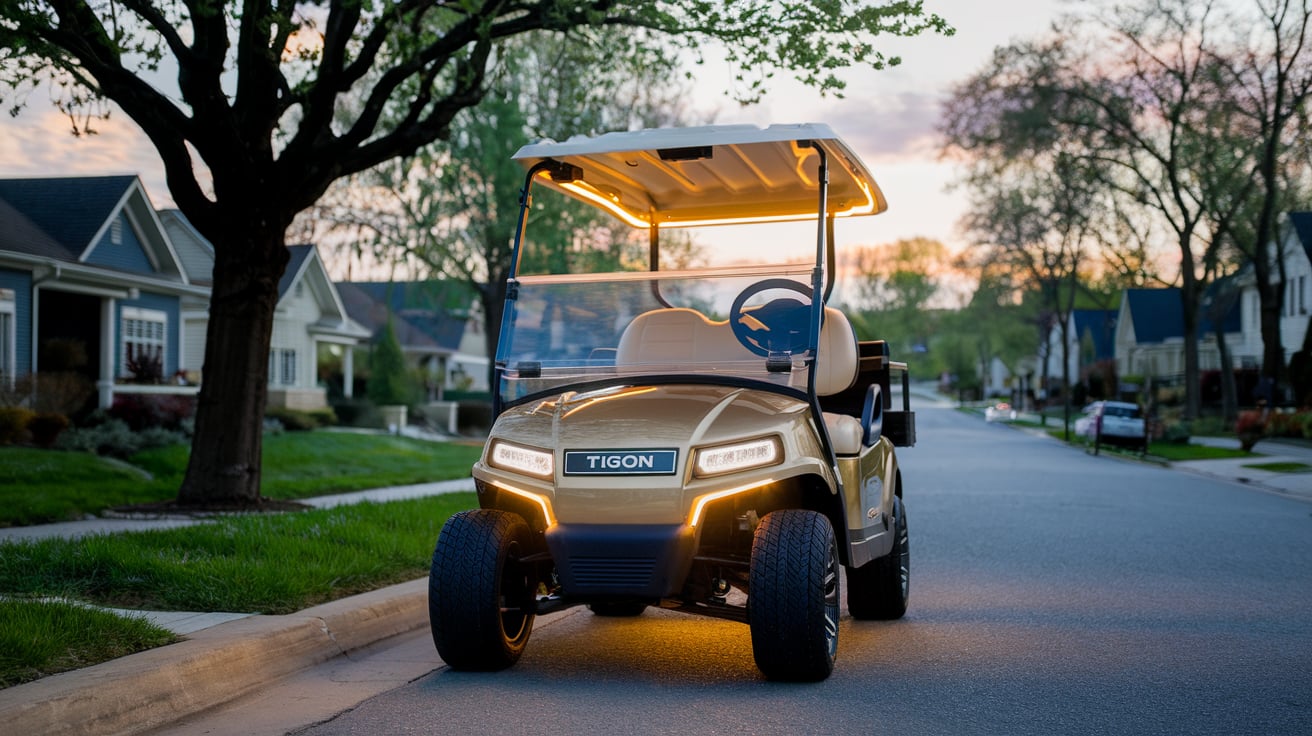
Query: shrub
x=1284, y=424
x=295, y=420
x=112, y=438
x=13, y=424
x=142, y=411
x=356, y=412
x=45, y=428
x=1249, y=427
x=389, y=383
x=153, y=437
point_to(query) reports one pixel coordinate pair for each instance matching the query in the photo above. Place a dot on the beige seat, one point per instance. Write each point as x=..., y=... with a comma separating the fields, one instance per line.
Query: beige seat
x=675, y=337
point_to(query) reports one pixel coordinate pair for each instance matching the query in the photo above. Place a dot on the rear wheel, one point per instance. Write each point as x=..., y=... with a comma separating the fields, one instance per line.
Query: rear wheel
x=480, y=596
x=793, y=596
x=879, y=590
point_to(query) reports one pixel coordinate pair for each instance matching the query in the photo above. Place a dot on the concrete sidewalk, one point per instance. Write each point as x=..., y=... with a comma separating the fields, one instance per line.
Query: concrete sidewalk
x=227, y=655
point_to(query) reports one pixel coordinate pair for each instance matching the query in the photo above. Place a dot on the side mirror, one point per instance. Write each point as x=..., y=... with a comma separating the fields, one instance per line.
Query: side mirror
x=872, y=416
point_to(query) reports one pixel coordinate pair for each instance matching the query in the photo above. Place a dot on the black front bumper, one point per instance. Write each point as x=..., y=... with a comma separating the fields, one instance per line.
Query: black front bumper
x=621, y=560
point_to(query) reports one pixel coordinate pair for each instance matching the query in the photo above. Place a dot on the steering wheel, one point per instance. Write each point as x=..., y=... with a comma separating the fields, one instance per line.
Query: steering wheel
x=779, y=325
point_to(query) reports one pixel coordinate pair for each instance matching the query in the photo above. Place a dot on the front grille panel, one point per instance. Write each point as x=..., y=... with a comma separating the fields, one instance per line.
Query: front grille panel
x=591, y=573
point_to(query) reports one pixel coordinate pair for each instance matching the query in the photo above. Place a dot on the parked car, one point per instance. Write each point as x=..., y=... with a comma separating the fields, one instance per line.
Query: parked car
x=1002, y=412
x=1119, y=422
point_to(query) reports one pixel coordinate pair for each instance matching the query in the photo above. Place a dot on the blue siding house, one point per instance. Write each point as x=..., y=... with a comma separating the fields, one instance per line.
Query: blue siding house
x=90, y=283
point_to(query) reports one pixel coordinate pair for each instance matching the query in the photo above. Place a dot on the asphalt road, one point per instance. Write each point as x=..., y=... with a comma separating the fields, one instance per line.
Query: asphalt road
x=1052, y=593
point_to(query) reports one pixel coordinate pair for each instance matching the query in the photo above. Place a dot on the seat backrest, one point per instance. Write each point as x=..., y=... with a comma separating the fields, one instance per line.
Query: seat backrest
x=677, y=336
x=839, y=358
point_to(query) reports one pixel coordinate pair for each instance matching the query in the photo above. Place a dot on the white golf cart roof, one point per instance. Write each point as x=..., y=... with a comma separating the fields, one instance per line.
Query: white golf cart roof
x=716, y=174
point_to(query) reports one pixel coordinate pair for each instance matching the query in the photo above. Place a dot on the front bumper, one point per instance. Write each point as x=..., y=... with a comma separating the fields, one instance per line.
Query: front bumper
x=622, y=560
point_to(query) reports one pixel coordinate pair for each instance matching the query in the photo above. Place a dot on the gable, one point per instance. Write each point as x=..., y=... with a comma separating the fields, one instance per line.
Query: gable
x=71, y=210
x=120, y=247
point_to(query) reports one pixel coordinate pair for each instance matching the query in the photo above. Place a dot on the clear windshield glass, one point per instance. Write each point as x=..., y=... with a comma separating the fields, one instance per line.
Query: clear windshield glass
x=749, y=323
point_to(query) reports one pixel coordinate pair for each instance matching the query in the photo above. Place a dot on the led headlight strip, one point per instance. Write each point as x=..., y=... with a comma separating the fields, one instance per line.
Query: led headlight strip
x=541, y=501
x=757, y=453
x=520, y=459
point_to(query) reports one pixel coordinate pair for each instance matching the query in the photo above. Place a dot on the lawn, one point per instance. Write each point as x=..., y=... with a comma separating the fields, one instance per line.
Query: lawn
x=42, y=486
x=257, y=563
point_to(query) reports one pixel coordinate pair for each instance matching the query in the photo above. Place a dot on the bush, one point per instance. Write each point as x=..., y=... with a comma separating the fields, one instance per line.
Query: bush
x=152, y=437
x=112, y=438
x=45, y=428
x=1285, y=424
x=295, y=420
x=13, y=424
x=1249, y=427
x=142, y=411
x=356, y=413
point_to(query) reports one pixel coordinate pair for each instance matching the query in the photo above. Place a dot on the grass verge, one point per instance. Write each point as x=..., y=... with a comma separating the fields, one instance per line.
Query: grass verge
x=42, y=486
x=1282, y=467
x=261, y=563
x=39, y=638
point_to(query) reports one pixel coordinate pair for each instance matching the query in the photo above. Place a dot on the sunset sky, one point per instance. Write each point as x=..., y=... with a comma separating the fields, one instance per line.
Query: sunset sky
x=888, y=117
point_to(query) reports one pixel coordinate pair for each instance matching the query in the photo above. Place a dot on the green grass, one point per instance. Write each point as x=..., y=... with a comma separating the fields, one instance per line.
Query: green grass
x=1176, y=452
x=39, y=638
x=1282, y=467
x=42, y=486
x=257, y=563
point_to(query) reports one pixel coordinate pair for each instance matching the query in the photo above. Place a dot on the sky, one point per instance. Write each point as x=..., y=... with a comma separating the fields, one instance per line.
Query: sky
x=888, y=117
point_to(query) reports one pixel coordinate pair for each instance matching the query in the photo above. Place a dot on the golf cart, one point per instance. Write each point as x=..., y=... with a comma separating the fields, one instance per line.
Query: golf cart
x=710, y=440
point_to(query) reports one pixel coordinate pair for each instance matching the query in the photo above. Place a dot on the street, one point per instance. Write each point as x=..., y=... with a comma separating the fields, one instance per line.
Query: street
x=1052, y=592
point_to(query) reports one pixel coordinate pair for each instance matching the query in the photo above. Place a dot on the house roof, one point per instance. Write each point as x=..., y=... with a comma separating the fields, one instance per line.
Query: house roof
x=1302, y=222
x=299, y=255
x=1100, y=325
x=71, y=210
x=428, y=316
x=1158, y=315
x=19, y=234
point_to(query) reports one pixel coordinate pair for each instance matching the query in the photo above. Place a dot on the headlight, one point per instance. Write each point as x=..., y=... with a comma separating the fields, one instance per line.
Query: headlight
x=520, y=459
x=758, y=453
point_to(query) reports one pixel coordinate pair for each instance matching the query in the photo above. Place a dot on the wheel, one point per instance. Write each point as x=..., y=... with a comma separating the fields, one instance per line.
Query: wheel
x=779, y=325
x=618, y=609
x=480, y=597
x=879, y=589
x=792, y=602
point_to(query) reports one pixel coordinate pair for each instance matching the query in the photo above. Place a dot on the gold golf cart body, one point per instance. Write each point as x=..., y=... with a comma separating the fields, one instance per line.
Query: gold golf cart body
x=659, y=434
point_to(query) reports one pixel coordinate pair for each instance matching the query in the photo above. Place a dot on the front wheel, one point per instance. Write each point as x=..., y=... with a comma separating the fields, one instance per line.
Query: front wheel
x=480, y=596
x=879, y=590
x=793, y=588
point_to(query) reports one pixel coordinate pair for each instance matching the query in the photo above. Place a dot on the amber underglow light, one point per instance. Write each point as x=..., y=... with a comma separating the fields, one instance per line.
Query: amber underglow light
x=700, y=504
x=542, y=502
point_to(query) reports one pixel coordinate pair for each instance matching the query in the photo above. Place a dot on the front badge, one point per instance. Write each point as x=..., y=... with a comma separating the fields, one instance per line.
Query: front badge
x=621, y=462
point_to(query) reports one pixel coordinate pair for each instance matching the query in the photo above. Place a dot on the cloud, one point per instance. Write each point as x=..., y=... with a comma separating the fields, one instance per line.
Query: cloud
x=898, y=126
x=39, y=142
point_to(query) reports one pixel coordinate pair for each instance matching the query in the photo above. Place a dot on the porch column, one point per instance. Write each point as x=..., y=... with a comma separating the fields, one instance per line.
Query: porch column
x=348, y=370
x=105, y=384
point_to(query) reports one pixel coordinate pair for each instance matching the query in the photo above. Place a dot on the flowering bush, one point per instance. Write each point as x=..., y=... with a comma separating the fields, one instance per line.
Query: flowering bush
x=1249, y=427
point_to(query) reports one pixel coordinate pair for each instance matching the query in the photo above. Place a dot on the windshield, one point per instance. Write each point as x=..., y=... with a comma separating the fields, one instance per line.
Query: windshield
x=562, y=330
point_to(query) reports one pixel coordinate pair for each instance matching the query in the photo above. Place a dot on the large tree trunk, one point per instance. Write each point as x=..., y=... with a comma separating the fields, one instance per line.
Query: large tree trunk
x=1190, y=297
x=224, y=468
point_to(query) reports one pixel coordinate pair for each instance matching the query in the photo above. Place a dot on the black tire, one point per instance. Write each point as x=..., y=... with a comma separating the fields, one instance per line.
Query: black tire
x=879, y=590
x=793, y=594
x=618, y=609
x=480, y=597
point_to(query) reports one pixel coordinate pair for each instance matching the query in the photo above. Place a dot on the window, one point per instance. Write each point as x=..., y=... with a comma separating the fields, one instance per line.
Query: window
x=282, y=366
x=144, y=341
x=116, y=231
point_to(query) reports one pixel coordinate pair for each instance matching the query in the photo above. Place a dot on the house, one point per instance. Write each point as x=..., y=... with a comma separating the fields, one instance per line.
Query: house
x=437, y=322
x=1150, y=335
x=309, y=317
x=88, y=265
x=1091, y=342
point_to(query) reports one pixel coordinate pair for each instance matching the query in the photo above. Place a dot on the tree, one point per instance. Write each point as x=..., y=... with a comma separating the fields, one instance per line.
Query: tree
x=450, y=210
x=896, y=285
x=258, y=105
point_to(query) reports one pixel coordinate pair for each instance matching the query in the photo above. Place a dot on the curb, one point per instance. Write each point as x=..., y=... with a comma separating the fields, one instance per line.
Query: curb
x=154, y=688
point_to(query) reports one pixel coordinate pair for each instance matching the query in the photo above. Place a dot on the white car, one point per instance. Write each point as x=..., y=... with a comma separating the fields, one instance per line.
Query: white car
x=1118, y=422
x=1002, y=412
